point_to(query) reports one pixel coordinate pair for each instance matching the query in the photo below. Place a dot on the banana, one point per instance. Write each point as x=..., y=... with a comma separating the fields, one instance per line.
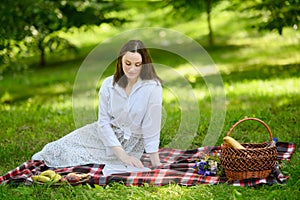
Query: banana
x=40, y=178
x=47, y=176
x=56, y=178
x=43, y=178
x=49, y=173
x=35, y=178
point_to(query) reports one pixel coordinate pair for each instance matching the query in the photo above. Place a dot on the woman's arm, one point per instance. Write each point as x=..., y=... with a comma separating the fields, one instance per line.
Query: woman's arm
x=152, y=124
x=106, y=132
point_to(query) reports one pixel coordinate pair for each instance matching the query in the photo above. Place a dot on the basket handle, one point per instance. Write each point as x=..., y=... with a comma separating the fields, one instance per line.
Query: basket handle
x=254, y=119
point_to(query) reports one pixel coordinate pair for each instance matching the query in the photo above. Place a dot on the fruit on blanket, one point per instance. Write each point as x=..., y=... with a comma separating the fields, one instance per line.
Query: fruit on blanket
x=41, y=178
x=232, y=142
x=56, y=178
x=47, y=176
x=35, y=178
x=82, y=176
x=49, y=173
x=52, y=177
x=72, y=177
x=63, y=179
x=75, y=177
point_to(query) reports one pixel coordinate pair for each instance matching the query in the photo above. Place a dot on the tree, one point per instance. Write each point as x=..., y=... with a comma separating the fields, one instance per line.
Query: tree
x=271, y=15
x=192, y=9
x=208, y=10
x=33, y=24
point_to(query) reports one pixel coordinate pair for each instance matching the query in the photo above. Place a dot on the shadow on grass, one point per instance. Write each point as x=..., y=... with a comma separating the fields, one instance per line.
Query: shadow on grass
x=263, y=72
x=254, y=72
x=61, y=72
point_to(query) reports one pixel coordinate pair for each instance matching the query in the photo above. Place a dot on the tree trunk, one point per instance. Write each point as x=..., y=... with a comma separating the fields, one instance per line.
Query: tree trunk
x=42, y=53
x=210, y=31
x=42, y=58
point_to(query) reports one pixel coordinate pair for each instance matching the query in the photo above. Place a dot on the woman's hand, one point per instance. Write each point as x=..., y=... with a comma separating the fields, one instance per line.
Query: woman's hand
x=132, y=161
x=125, y=158
x=155, y=161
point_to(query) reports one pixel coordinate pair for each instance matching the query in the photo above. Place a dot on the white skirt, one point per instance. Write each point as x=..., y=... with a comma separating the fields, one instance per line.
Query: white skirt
x=84, y=146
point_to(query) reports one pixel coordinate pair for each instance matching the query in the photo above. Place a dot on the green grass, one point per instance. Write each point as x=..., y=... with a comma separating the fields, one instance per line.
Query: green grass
x=115, y=191
x=261, y=75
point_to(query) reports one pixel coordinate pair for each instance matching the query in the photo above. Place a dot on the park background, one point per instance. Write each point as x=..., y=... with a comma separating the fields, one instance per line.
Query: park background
x=254, y=44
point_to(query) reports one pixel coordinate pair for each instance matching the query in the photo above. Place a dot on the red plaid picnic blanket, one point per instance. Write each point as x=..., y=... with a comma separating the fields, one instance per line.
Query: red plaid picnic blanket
x=178, y=167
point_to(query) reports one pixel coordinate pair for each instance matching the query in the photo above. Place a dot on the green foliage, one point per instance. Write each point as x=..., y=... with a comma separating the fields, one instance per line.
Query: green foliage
x=272, y=15
x=35, y=27
x=32, y=26
x=185, y=10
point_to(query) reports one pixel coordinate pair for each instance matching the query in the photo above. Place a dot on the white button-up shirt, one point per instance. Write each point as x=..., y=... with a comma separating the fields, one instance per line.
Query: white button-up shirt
x=139, y=113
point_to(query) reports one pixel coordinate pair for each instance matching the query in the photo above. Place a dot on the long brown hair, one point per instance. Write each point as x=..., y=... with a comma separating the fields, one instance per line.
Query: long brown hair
x=147, y=72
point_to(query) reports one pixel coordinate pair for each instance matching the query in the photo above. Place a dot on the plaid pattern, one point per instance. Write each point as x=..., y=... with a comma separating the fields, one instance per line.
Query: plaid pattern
x=177, y=168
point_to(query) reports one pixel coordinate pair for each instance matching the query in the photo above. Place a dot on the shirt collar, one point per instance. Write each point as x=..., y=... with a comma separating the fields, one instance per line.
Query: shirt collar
x=136, y=86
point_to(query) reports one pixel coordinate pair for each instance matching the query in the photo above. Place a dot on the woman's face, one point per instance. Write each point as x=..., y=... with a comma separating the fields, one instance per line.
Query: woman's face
x=132, y=65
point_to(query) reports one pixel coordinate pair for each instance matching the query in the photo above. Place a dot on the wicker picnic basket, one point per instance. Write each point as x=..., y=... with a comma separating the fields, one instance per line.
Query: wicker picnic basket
x=256, y=161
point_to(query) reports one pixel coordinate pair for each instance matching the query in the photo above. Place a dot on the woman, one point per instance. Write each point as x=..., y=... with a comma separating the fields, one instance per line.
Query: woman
x=129, y=118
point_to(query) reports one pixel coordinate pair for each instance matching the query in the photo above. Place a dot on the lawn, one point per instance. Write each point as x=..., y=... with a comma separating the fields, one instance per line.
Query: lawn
x=260, y=74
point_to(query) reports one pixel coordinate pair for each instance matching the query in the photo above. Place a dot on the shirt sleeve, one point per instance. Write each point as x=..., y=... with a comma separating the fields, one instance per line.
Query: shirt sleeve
x=152, y=121
x=107, y=134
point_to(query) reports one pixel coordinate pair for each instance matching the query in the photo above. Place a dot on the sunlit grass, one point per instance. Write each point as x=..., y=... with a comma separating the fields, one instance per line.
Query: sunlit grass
x=265, y=88
x=260, y=73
